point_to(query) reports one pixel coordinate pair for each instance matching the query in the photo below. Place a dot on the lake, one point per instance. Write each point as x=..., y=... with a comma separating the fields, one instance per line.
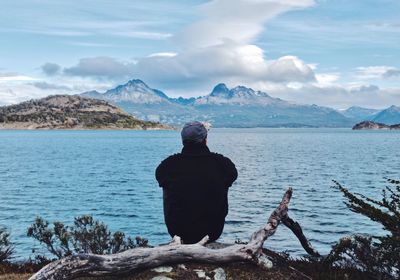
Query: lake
x=110, y=174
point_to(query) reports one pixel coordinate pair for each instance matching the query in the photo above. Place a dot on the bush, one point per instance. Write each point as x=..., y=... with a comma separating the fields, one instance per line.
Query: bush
x=377, y=255
x=6, y=248
x=86, y=235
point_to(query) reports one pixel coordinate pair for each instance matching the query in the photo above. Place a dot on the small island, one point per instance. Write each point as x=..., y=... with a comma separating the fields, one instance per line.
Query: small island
x=70, y=112
x=368, y=125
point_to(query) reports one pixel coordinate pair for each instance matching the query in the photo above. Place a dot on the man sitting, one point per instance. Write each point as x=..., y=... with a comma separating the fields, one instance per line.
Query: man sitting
x=195, y=186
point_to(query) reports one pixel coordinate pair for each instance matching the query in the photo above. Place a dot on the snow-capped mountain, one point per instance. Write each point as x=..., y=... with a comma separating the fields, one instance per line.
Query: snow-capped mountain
x=388, y=116
x=239, y=95
x=224, y=107
x=360, y=113
x=134, y=91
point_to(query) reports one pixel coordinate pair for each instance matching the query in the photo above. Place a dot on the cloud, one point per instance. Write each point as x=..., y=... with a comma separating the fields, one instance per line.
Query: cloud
x=14, y=91
x=377, y=72
x=364, y=89
x=289, y=69
x=337, y=96
x=14, y=77
x=240, y=21
x=394, y=72
x=144, y=35
x=219, y=47
x=163, y=54
x=48, y=86
x=90, y=44
x=229, y=62
x=101, y=67
x=50, y=69
x=11, y=94
x=326, y=79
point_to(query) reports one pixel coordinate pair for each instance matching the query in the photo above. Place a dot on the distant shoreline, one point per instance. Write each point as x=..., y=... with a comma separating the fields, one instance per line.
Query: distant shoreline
x=88, y=129
x=177, y=128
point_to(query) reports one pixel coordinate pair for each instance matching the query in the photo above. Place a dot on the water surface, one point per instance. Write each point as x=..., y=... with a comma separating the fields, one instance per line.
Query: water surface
x=110, y=174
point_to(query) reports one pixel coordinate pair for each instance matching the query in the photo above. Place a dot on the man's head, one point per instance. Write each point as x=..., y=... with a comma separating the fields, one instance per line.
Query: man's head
x=194, y=133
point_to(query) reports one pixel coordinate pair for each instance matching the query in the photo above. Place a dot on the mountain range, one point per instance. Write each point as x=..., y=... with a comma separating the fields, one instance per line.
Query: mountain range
x=236, y=107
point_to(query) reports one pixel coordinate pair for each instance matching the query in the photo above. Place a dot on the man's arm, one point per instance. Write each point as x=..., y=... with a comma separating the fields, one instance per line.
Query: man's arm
x=161, y=174
x=231, y=172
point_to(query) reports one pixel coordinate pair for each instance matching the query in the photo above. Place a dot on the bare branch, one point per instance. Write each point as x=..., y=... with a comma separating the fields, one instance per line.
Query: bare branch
x=296, y=229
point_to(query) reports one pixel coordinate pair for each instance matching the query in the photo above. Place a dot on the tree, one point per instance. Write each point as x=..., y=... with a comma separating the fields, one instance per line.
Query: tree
x=378, y=255
x=86, y=235
x=6, y=248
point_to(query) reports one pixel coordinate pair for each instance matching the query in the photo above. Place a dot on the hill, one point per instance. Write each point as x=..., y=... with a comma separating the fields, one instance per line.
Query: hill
x=69, y=112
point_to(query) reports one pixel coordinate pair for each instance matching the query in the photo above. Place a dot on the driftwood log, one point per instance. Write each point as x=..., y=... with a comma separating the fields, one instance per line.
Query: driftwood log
x=80, y=265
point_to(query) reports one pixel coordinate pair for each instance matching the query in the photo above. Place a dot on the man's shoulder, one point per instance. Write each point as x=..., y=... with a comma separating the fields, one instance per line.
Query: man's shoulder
x=172, y=158
x=220, y=157
x=179, y=156
x=217, y=155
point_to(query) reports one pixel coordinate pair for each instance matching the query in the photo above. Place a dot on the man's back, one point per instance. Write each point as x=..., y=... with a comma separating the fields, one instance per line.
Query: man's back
x=195, y=185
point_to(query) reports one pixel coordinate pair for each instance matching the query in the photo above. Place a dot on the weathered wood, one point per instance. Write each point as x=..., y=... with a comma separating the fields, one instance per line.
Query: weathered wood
x=296, y=229
x=129, y=261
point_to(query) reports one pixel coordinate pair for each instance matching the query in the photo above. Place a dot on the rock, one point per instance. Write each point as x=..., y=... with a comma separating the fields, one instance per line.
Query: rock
x=161, y=278
x=201, y=274
x=182, y=266
x=162, y=269
x=265, y=262
x=219, y=274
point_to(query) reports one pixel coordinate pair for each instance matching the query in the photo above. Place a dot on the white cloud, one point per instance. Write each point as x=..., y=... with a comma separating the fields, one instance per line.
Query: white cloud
x=337, y=96
x=229, y=62
x=219, y=48
x=240, y=21
x=144, y=35
x=15, y=91
x=90, y=44
x=101, y=67
x=289, y=69
x=377, y=72
x=14, y=77
x=163, y=54
x=327, y=79
x=48, y=86
x=362, y=89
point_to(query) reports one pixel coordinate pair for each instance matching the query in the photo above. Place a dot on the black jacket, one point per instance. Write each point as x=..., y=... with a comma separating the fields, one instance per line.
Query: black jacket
x=195, y=187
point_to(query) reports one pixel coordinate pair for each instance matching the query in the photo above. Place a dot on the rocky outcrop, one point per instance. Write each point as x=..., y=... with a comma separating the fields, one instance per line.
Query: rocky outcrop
x=365, y=125
x=70, y=112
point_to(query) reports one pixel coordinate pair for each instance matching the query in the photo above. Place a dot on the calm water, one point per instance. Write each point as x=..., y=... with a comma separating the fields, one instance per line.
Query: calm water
x=110, y=174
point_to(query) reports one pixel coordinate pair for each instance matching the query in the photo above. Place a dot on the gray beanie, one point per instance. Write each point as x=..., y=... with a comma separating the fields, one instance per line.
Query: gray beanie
x=194, y=132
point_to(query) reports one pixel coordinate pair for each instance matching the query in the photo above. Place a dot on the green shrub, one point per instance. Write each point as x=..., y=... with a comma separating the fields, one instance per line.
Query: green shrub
x=86, y=235
x=377, y=255
x=6, y=248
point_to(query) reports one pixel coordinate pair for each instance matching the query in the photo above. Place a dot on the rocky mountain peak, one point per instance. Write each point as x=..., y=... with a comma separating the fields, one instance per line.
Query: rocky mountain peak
x=393, y=108
x=242, y=91
x=220, y=90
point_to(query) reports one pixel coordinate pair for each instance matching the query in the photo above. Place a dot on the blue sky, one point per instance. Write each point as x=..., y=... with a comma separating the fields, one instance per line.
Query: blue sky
x=328, y=52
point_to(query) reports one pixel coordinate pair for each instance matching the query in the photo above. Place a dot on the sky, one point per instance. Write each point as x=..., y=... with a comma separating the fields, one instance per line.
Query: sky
x=335, y=53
